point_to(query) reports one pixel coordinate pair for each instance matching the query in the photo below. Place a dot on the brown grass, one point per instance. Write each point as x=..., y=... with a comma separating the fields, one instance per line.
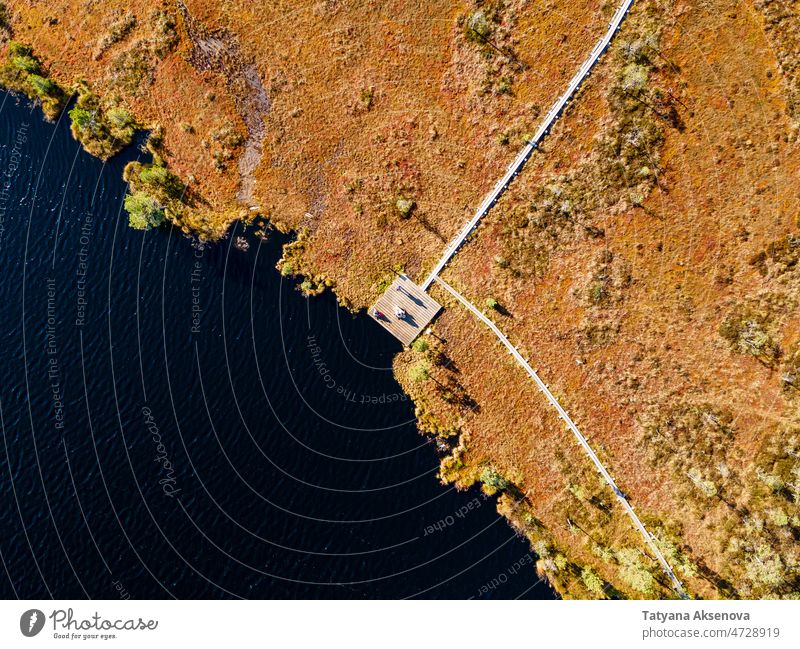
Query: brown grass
x=729, y=190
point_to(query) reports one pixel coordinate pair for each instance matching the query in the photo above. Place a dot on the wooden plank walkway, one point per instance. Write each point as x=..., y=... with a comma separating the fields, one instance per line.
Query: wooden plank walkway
x=519, y=162
x=420, y=308
x=649, y=539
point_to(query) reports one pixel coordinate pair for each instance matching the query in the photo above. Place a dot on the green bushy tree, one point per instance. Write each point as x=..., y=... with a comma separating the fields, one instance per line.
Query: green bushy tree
x=144, y=211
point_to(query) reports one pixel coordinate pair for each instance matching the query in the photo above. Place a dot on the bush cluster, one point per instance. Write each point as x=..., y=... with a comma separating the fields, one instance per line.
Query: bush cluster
x=746, y=330
x=156, y=194
x=102, y=127
x=22, y=72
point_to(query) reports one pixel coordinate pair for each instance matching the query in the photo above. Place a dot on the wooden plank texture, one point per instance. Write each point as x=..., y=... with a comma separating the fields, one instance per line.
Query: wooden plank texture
x=420, y=309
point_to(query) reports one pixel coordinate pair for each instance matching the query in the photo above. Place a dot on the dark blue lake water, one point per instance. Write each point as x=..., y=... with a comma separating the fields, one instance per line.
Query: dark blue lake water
x=180, y=422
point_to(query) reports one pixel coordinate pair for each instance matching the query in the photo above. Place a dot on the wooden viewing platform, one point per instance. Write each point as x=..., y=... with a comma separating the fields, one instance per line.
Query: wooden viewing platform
x=419, y=307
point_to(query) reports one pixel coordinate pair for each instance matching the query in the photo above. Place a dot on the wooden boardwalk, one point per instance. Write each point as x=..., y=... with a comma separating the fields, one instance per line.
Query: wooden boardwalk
x=420, y=308
x=519, y=162
x=649, y=539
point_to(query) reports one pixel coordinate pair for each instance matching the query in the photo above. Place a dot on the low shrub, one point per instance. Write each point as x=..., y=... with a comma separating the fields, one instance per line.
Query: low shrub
x=22, y=72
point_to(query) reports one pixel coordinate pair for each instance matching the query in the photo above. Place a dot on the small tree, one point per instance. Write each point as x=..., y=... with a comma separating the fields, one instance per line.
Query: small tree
x=144, y=211
x=592, y=582
x=493, y=479
x=420, y=372
x=42, y=87
x=765, y=568
x=500, y=261
x=634, y=572
x=119, y=118
x=420, y=345
x=162, y=179
x=16, y=48
x=26, y=63
x=84, y=121
x=405, y=206
x=477, y=28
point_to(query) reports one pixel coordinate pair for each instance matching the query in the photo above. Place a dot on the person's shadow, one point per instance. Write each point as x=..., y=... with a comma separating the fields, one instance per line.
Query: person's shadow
x=412, y=297
x=410, y=320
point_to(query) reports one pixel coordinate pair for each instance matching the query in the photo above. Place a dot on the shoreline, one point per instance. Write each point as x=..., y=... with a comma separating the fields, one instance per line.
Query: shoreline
x=614, y=247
